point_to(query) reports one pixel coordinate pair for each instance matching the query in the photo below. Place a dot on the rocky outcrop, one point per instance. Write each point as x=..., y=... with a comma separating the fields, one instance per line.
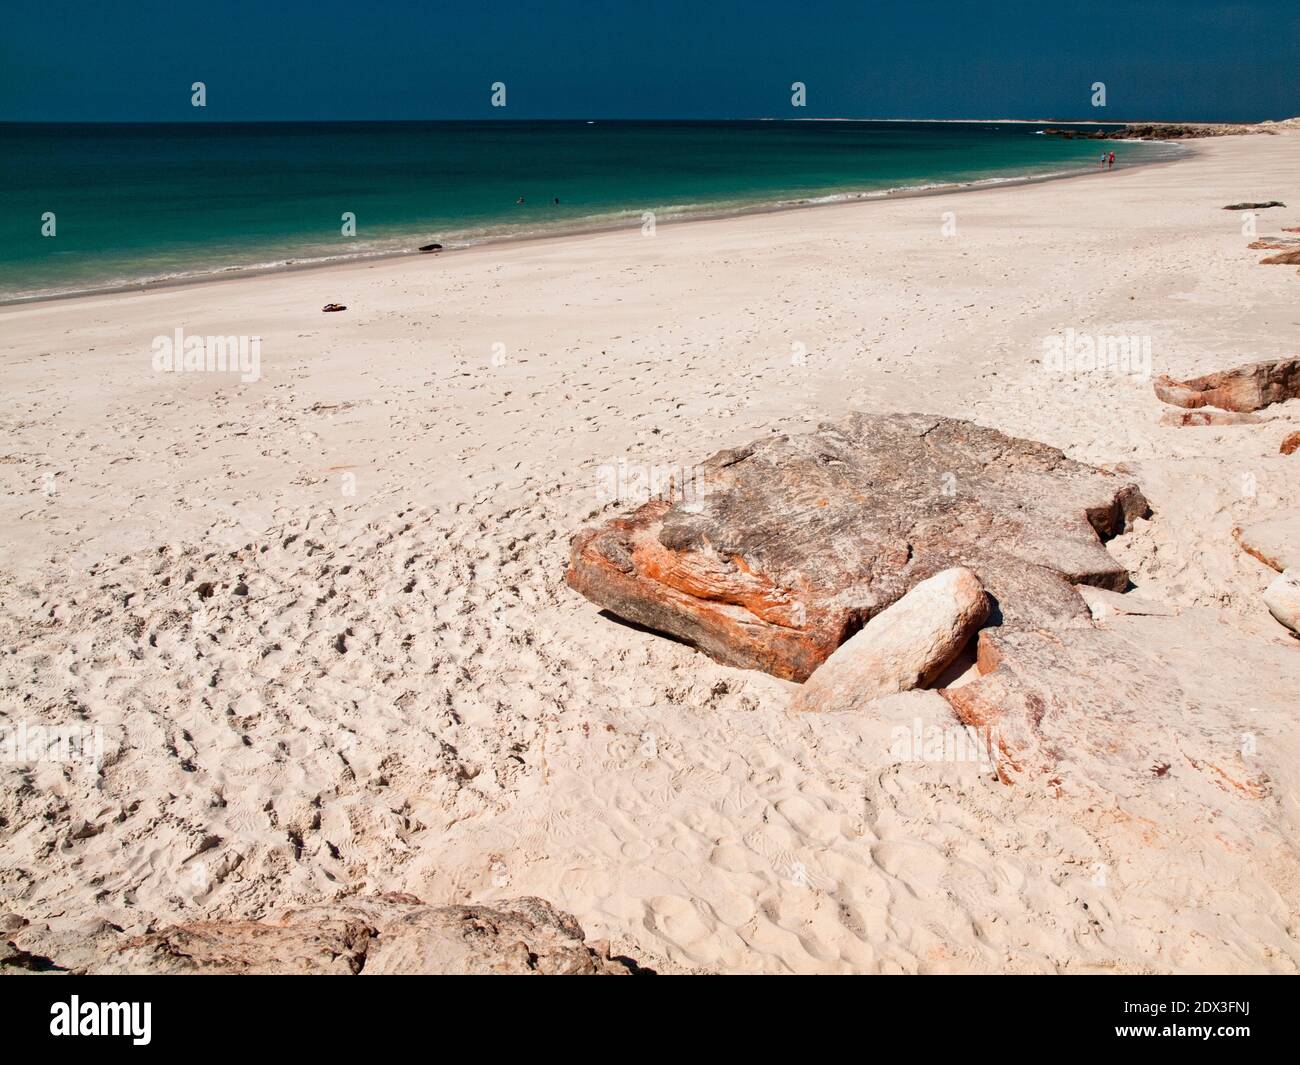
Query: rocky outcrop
x=905, y=646
x=1282, y=598
x=377, y=935
x=1160, y=131
x=1175, y=131
x=787, y=546
x=1254, y=206
x=1245, y=388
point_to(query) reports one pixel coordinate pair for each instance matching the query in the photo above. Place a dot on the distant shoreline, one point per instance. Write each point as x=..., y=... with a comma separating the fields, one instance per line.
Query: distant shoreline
x=237, y=273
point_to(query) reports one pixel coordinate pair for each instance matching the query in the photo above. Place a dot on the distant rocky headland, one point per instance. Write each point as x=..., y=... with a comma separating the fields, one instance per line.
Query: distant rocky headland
x=1169, y=131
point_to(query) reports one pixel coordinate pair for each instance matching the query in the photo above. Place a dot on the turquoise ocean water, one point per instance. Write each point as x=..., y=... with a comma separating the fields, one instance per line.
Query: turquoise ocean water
x=136, y=203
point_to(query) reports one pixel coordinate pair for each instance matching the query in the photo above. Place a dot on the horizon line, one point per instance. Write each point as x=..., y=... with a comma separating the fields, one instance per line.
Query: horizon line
x=753, y=118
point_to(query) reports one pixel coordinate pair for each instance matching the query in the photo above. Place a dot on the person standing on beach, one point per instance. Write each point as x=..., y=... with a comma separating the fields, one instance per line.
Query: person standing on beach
x=1111, y=164
x=1103, y=160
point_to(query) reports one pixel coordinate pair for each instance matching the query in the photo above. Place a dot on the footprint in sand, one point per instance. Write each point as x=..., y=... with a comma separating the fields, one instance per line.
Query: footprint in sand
x=786, y=865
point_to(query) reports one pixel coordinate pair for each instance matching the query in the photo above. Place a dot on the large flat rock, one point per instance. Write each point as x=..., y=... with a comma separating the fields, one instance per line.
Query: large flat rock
x=792, y=543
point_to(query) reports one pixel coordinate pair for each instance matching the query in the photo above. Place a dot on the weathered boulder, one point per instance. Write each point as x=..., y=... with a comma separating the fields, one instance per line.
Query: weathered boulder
x=1282, y=598
x=377, y=935
x=787, y=546
x=1290, y=443
x=1275, y=541
x=1180, y=418
x=1245, y=388
x=907, y=645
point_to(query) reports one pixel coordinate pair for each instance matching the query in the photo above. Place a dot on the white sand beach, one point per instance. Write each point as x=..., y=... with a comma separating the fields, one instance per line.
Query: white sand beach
x=320, y=618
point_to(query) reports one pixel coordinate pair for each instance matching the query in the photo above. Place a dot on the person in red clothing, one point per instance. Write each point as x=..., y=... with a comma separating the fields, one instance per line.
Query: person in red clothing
x=1111, y=164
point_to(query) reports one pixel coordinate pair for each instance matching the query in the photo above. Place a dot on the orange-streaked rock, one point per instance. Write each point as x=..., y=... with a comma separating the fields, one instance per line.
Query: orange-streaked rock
x=1243, y=389
x=1275, y=540
x=1284, y=258
x=793, y=543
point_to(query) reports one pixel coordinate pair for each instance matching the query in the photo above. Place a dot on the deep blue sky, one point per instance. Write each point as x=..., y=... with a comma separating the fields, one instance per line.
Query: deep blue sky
x=286, y=59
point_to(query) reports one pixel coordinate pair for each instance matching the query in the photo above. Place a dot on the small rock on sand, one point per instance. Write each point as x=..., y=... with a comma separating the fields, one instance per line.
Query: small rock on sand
x=905, y=646
x=1243, y=388
x=1282, y=598
x=1291, y=443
